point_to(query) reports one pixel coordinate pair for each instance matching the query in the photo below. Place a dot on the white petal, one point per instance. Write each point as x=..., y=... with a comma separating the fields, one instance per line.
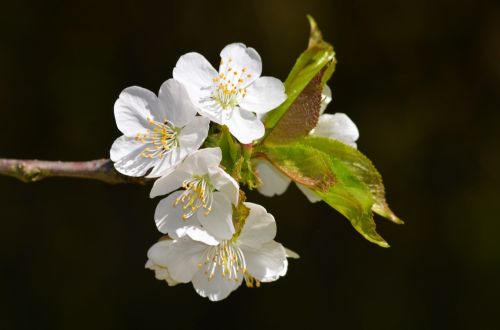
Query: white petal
x=291, y=254
x=156, y=253
x=273, y=181
x=326, y=98
x=134, y=164
x=311, y=195
x=181, y=257
x=213, y=112
x=168, y=217
x=260, y=227
x=169, y=220
x=245, y=126
x=168, y=183
x=198, y=234
x=241, y=57
x=265, y=94
x=266, y=263
x=337, y=126
x=193, y=135
x=123, y=146
x=175, y=103
x=161, y=273
x=216, y=288
x=196, y=74
x=150, y=264
x=133, y=107
x=225, y=183
x=165, y=164
x=219, y=221
x=201, y=160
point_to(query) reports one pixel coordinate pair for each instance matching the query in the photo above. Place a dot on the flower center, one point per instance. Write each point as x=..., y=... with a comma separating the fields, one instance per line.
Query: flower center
x=227, y=258
x=228, y=88
x=198, y=194
x=163, y=137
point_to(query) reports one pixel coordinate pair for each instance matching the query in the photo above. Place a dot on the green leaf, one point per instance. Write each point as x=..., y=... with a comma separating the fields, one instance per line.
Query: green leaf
x=360, y=166
x=232, y=158
x=236, y=158
x=231, y=150
x=315, y=36
x=353, y=199
x=302, y=115
x=303, y=87
x=353, y=202
x=341, y=175
x=302, y=164
x=248, y=176
x=240, y=214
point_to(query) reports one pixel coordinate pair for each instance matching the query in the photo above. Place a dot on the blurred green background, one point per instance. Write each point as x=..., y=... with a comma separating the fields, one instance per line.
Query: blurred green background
x=421, y=79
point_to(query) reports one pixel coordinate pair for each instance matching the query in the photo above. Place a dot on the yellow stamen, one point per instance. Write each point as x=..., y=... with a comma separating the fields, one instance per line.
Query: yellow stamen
x=226, y=258
x=197, y=194
x=228, y=90
x=163, y=137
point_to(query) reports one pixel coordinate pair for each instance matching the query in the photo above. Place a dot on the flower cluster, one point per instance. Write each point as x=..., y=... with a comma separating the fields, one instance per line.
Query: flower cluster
x=212, y=236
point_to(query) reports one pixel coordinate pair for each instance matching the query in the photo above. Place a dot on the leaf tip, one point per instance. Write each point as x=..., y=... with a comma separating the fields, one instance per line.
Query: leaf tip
x=315, y=37
x=394, y=218
x=376, y=239
x=384, y=211
x=398, y=221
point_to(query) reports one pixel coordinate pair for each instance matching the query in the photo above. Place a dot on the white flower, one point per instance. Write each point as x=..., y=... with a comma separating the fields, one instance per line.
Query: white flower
x=234, y=95
x=161, y=273
x=205, y=202
x=337, y=126
x=158, y=132
x=217, y=270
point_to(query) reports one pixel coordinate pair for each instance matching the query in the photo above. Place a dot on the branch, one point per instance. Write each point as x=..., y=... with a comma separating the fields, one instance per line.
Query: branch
x=36, y=170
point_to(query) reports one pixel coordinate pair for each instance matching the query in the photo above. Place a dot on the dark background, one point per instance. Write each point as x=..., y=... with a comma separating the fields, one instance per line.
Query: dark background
x=421, y=79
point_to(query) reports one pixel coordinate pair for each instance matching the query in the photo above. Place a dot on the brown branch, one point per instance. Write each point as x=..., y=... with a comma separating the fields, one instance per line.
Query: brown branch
x=36, y=170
